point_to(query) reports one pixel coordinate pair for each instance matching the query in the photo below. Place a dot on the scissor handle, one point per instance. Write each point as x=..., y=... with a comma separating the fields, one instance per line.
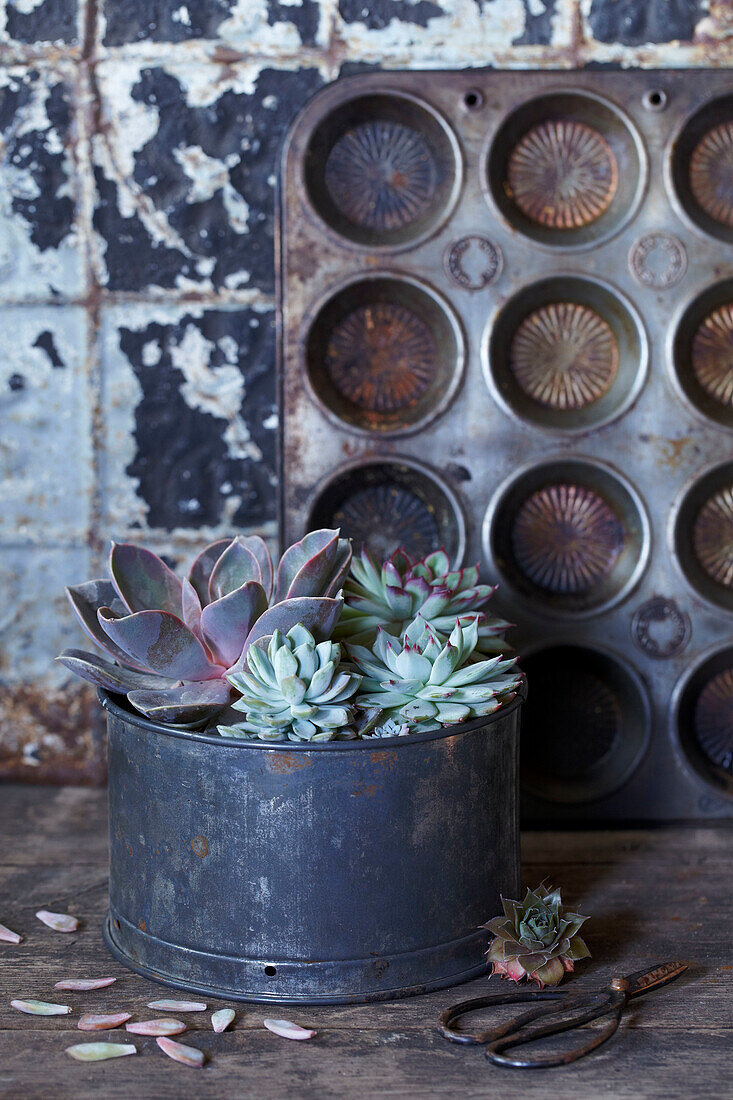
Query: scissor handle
x=515, y=997
x=517, y=1033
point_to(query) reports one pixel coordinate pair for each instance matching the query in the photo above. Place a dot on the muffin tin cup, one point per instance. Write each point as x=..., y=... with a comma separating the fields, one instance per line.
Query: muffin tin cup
x=699, y=169
x=382, y=171
x=568, y=536
x=568, y=171
x=587, y=727
x=701, y=536
x=391, y=501
x=566, y=354
x=701, y=720
x=382, y=354
x=700, y=353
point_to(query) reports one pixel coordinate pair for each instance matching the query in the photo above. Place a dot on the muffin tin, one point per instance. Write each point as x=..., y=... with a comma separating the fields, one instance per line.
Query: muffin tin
x=506, y=305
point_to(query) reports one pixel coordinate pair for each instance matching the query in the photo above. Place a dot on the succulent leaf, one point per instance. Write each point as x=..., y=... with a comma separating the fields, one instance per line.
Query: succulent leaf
x=420, y=681
x=86, y=600
x=317, y=565
x=143, y=580
x=162, y=642
x=317, y=614
x=236, y=566
x=108, y=675
x=226, y=623
x=293, y=688
x=187, y=704
x=531, y=938
x=201, y=570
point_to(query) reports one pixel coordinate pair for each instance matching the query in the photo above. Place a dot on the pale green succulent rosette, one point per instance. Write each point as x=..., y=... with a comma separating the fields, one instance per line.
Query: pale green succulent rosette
x=537, y=938
x=426, y=683
x=390, y=596
x=293, y=688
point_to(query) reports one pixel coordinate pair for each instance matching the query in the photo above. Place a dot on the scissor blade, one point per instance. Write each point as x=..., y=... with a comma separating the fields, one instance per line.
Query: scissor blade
x=654, y=977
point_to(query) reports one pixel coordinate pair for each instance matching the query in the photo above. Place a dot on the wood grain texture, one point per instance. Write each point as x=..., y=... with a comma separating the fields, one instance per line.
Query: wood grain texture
x=652, y=896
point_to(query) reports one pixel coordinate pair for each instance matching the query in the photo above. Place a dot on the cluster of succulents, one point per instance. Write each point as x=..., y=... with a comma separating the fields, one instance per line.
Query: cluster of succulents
x=422, y=682
x=294, y=688
x=390, y=597
x=537, y=938
x=321, y=648
x=172, y=643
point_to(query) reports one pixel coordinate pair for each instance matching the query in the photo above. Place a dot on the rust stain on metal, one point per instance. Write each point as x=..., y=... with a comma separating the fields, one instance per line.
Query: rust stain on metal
x=562, y=174
x=712, y=354
x=564, y=355
x=286, y=762
x=142, y=926
x=385, y=758
x=566, y=538
x=200, y=846
x=51, y=736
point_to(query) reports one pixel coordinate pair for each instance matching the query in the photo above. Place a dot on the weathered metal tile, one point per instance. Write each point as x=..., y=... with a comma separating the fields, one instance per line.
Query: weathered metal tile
x=190, y=418
x=47, y=732
x=263, y=25
x=40, y=249
x=449, y=33
x=41, y=23
x=632, y=24
x=185, y=170
x=46, y=451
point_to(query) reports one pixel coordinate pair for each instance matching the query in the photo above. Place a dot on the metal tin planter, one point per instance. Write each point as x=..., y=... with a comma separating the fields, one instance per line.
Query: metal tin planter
x=340, y=872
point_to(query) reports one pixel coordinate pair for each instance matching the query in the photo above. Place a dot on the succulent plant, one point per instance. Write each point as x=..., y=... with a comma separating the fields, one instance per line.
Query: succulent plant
x=294, y=688
x=392, y=595
x=423, y=682
x=536, y=938
x=172, y=642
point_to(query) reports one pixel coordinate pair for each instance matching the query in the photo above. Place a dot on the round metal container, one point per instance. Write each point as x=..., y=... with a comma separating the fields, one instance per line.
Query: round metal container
x=340, y=872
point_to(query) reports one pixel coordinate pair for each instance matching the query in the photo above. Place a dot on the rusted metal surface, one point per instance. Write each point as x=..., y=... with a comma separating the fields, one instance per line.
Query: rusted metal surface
x=591, y=282
x=347, y=874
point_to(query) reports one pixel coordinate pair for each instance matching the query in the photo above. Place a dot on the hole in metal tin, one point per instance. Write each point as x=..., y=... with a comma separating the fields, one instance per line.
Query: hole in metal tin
x=655, y=99
x=567, y=354
x=380, y=170
x=584, y=726
x=384, y=505
x=703, y=536
x=705, y=720
x=568, y=536
x=384, y=355
x=473, y=99
x=271, y=971
x=702, y=168
x=702, y=353
x=566, y=169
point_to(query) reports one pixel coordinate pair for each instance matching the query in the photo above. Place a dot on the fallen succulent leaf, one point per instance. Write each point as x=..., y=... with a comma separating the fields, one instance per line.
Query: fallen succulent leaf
x=178, y=1006
x=99, y=1052
x=288, y=1030
x=100, y=1022
x=81, y=985
x=156, y=1027
x=41, y=1008
x=187, y=1056
x=8, y=936
x=221, y=1019
x=60, y=922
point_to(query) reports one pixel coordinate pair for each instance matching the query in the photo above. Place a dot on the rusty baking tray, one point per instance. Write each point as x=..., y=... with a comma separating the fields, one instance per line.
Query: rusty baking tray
x=506, y=306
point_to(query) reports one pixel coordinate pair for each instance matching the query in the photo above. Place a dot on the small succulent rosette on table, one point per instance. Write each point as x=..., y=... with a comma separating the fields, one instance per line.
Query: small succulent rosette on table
x=537, y=938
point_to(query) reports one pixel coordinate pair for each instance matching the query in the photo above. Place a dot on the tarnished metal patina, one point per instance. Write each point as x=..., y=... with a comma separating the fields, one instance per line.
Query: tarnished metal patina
x=506, y=303
x=333, y=872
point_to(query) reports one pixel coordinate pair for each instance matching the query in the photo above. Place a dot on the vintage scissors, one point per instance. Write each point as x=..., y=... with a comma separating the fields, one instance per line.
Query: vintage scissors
x=571, y=1009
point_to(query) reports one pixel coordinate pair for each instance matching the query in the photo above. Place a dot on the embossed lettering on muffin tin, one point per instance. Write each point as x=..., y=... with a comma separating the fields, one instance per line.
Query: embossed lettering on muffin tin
x=650, y=405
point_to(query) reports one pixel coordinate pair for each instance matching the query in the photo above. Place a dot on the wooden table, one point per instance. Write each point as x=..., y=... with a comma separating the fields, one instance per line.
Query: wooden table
x=653, y=896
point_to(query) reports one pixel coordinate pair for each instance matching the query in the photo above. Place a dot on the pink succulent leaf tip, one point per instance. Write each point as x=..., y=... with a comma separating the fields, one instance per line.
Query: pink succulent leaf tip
x=536, y=938
x=168, y=644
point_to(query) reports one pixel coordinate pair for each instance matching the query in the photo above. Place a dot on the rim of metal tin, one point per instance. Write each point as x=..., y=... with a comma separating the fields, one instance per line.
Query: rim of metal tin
x=668, y=168
x=677, y=319
x=580, y=93
x=674, y=514
x=674, y=724
x=642, y=372
x=459, y=369
x=568, y=460
x=304, y=127
x=558, y=641
x=388, y=459
x=109, y=701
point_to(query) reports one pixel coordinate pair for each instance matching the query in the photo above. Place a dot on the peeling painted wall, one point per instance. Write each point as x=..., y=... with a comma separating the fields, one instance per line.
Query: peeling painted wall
x=140, y=141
